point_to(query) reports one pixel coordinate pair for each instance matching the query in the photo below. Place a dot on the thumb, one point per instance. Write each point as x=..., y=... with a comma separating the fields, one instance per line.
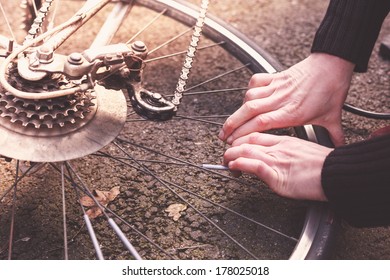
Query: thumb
x=260, y=80
x=336, y=134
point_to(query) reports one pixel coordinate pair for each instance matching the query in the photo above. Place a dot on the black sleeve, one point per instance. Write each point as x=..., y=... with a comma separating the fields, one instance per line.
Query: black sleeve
x=350, y=28
x=356, y=181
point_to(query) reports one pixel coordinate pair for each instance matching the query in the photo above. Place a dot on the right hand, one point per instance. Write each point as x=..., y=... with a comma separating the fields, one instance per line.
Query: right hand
x=311, y=92
x=290, y=166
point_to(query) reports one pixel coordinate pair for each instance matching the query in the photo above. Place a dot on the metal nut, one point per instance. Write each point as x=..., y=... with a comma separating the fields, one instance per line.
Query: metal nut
x=75, y=59
x=138, y=46
x=45, y=54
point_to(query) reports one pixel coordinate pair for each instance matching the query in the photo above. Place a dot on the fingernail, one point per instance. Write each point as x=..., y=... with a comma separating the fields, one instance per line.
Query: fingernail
x=221, y=135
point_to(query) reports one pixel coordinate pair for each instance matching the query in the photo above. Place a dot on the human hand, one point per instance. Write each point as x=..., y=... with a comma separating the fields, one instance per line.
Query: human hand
x=290, y=166
x=310, y=92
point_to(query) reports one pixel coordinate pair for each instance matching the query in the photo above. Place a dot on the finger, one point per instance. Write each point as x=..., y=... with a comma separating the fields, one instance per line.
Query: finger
x=255, y=167
x=260, y=123
x=258, y=93
x=260, y=139
x=336, y=134
x=246, y=112
x=260, y=80
x=249, y=151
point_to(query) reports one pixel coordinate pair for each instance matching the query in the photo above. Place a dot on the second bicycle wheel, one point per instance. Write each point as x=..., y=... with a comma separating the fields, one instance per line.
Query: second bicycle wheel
x=166, y=204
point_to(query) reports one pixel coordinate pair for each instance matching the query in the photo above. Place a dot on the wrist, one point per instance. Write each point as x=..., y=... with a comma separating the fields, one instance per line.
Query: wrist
x=332, y=62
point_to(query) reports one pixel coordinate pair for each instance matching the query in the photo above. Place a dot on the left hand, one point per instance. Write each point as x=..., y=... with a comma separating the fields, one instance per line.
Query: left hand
x=290, y=166
x=312, y=91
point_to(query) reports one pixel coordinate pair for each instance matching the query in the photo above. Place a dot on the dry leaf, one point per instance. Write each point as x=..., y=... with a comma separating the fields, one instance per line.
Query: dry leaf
x=94, y=212
x=112, y=194
x=103, y=197
x=174, y=210
x=87, y=201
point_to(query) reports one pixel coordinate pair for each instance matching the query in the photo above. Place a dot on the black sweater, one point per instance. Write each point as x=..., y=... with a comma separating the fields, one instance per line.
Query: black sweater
x=356, y=181
x=350, y=29
x=356, y=177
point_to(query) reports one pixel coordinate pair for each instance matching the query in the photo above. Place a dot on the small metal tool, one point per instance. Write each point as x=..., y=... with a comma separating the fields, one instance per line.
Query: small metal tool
x=215, y=166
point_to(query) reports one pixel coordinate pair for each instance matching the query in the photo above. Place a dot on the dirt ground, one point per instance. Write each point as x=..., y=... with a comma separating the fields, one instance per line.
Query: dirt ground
x=285, y=28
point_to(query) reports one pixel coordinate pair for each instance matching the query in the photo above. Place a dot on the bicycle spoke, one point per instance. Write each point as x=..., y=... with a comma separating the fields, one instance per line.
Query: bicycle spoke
x=11, y=234
x=51, y=20
x=194, y=118
x=187, y=203
x=7, y=22
x=185, y=162
x=124, y=160
x=35, y=8
x=82, y=187
x=169, y=41
x=101, y=154
x=199, y=166
x=87, y=221
x=19, y=178
x=198, y=120
x=215, y=91
x=217, y=77
x=111, y=222
x=140, y=234
x=64, y=213
x=146, y=26
x=181, y=53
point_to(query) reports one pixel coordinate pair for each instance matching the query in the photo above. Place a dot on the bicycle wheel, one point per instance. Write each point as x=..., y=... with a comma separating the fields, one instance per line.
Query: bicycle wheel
x=168, y=205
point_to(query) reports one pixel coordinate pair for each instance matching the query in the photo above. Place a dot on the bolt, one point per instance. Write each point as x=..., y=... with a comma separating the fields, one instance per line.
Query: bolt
x=10, y=47
x=156, y=96
x=75, y=59
x=125, y=72
x=138, y=46
x=45, y=54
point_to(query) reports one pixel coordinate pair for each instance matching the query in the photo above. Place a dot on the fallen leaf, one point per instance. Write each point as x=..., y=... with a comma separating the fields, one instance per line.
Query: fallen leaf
x=102, y=197
x=24, y=239
x=87, y=201
x=112, y=194
x=174, y=210
x=94, y=212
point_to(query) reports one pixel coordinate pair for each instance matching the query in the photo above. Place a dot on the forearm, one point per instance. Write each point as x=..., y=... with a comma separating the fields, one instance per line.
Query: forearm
x=356, y=181
x=350, y=28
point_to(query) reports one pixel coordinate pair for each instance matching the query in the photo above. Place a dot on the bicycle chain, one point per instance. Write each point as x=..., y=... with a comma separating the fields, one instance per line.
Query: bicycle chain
x=39, y=19
x=190, y=55
x=50, y=113
x=185, y=71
